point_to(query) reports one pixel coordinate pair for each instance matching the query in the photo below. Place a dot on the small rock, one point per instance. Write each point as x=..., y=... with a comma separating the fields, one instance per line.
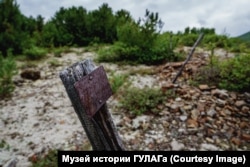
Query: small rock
x=236, y=141
x=165, y=87
x=187, y=107
x=178, y=99
x=247, y=95
x=195, y=114
x=176, y=146
x=209, y=140
x=245, y=136
x=220, y=93
x=208, y=147
x=176, y=64
x=243, y=125
x=233, y=95
x=175, y=107
x=183, y=117
x=204, y=87
x=245, y=109
x=200, y=107
x=191, y=123
x=139, y=120
x=228, y=112
x=210, y=132
x=220, y=103
x=211, y=112
x=240, y=103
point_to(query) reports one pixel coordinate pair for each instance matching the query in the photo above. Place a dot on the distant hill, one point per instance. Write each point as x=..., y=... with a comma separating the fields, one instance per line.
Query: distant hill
x=245, y=37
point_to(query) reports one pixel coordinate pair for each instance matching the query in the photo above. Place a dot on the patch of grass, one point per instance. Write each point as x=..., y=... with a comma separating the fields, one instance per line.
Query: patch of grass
x=139, y=101
x=116, y=81
x=54, y=63
x=4, y=145
x=58, y=51
x=49, y=160
x=142, y=71
x=35, y=53
x=209, y=74
x=108, y=54
x=7, y=71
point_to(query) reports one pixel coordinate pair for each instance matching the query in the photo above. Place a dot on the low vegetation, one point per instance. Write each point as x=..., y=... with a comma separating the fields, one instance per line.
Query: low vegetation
x=231, y=74
x=7, y=71
x=235, y=73
x=35, y=53
x=116, y=81
x=48, y=160
x=140, y=101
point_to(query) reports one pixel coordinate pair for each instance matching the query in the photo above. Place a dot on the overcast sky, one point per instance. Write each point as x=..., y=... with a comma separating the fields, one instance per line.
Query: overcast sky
x=226, y=16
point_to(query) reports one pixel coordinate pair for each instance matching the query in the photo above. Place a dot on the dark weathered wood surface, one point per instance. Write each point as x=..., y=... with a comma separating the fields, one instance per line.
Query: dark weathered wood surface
x=100, y=129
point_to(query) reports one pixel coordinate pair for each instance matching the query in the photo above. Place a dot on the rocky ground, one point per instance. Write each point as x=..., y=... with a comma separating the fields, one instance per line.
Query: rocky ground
x=39, y=116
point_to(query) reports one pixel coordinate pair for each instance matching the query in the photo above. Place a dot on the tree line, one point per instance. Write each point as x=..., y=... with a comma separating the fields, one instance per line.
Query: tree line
x=75, y=26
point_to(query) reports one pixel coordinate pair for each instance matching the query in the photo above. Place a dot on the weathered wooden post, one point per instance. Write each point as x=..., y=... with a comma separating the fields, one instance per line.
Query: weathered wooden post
x=88, y=90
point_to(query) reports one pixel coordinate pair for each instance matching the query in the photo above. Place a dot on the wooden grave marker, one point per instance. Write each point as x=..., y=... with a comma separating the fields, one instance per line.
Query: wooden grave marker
x=88, y=89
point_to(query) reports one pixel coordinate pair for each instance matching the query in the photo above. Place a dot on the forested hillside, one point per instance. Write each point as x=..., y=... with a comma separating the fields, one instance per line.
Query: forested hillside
x=245, y=37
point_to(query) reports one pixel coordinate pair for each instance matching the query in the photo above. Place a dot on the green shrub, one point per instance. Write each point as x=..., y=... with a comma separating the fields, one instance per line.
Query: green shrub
x=139, y=101
x=7, y=71
x=209, y=74
x=109, y=54
x=116, y=81
x=235, y=73
x=49, y=160
x=188, y=39
x=35, y=53
x=142, y=43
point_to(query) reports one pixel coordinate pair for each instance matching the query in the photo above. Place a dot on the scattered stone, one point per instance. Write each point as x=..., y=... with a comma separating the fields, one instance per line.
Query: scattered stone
x=187, y=107
x=195, y=114
x=139, y=121
x=236, y=141
x=178, y=99
x=245, y=136
x=183, y=118
x=233, y=95
x=209, y=140
x=208, y=147
x=243, y=125
x=211, y=112
x=220, y=93
x=166, y=86
x=175, y=107
x=176, y=146
x=220, y=103
x=240, y=103
x=200, y=107
x=204, y=87
x=191, y=123
x=245, y=109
